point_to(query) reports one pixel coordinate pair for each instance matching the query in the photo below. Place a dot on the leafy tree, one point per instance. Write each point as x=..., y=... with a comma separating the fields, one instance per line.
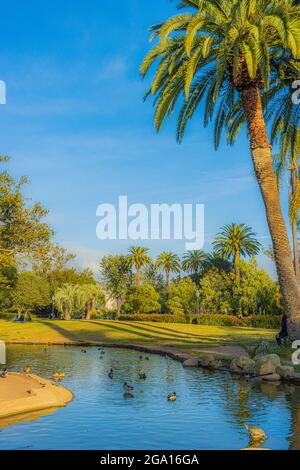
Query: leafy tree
x=116, y=276
x=182, y=297
x=153, y=277
x=142, y=299
x=235, y=241
x=228, y=54
x=170, y=263
x=8, y=279
x=60, y=277
x=138, y=257
x=22, y=232
x=193, y=262
x=216, y=291
x=30, y=293
x=52, y=258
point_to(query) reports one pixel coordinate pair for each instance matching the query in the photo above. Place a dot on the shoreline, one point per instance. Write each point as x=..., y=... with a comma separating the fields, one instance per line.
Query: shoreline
x=27, y=393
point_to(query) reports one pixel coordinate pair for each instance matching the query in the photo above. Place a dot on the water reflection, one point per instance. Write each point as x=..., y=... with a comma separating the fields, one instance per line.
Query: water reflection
x=210, y=412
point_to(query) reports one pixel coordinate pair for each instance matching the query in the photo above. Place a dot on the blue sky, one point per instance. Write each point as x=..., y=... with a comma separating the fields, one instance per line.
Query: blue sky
x=76, y=124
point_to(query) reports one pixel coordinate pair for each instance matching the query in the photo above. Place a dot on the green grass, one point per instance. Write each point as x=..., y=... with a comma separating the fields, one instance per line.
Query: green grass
x=179, y=336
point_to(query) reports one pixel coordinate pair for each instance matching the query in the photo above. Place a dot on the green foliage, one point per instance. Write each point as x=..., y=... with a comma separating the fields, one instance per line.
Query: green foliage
x=66, y=300
x=255, y=321
x=153, y=318
x=216, y=289
x=182, y=298
x=170, y=263
x=88, y=297
x=138, y=257
x=142, y=299
x=30, y=293
x=194, y=262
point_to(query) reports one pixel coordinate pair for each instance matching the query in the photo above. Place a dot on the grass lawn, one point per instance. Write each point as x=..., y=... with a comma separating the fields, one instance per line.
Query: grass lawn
x=179, y=336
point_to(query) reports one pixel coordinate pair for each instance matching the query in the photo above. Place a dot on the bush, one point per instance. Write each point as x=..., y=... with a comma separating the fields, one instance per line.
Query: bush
x=141, y=299
x=7, y=315
x=157, y=318
x=255, y=321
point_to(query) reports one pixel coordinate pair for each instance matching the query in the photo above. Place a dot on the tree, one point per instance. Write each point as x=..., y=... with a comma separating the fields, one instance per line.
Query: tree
x=153, y=277
x=60, y=277
x=193, y=262
x=227, y=53
x=116, y=276
x=90, y=295
x=235, y=241
x=182, y=297
x=52, y=258
x=170, y=263
x=142, y=299
x=22, y=231
x=66, y=300
x=138, y=257
x=30, y=293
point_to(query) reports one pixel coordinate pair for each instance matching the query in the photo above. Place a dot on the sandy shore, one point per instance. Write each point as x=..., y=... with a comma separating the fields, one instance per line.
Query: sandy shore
x=20, y=393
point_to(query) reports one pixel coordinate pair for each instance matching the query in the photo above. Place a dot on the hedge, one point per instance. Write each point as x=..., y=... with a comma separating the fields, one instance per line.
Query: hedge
x=255, y=321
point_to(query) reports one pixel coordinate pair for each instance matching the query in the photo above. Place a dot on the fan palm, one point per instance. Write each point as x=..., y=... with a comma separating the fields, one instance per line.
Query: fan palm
x=169, y=262
x=235, y=241
x=138, y=257
x=65, y=300
x=193, y=262
x=226, y=54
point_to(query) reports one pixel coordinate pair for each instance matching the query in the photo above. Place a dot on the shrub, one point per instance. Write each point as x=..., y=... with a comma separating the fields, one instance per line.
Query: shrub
x=142, y=299
x=7, y=315
x=156, y=318
x=182, y=298
x=255, y=321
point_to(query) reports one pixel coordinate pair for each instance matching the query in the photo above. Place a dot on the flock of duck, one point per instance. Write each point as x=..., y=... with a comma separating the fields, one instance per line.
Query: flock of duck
x=257, y=435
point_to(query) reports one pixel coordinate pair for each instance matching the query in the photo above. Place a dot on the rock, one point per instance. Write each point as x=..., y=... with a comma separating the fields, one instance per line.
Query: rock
x=285, y=372
x=191, y=363
x=271, y=378
x=243, y=364
x=207, y=361
x=267, y=365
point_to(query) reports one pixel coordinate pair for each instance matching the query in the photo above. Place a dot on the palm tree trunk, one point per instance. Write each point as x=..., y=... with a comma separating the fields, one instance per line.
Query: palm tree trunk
x=294, y=227
x=167, y=278
x=138, y=276
x=237, y=267
x=262, y=160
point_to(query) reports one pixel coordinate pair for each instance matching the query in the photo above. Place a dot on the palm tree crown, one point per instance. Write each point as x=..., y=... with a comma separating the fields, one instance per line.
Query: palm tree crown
x=169, y=262
x=235, y=241
x=193, y=262
x=138, y=257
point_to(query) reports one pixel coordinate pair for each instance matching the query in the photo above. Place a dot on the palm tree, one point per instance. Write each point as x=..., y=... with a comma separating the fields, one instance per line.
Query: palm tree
x=65, y=300
x=193, y=262
x=227, y=53
x=235, y=241
x=138, y=257
x=88, y=295
x=288, y=159
x=169, y=262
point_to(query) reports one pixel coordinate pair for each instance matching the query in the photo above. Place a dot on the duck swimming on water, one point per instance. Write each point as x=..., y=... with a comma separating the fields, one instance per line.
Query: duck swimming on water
x=127, y=387
x=172, y=396
x=256, y=434
x=111, y=374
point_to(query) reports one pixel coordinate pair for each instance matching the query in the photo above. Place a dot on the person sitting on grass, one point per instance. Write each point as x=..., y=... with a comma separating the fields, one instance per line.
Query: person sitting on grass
x=3, y=374
x=283, y=332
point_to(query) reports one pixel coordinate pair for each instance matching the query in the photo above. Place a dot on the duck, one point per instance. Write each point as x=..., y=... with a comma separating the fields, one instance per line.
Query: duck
x=147, y=358
x=58, y=376
x=4, y=374
x=256, y=434
x=111, y=374
x=27, y=369
x=128, y=395
x=142, y=376
x=83, y=351
x=127, y=387
x=172, y=396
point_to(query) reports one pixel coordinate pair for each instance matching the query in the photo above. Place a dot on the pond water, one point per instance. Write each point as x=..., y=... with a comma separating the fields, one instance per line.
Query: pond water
x=209, y=413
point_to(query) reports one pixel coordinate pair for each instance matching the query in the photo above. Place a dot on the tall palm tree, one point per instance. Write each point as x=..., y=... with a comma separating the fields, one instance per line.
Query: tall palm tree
x=227, y=52
x=193, y=262
x=170, y=263
x=138, y=257
x=288, y=159
x=235, y=241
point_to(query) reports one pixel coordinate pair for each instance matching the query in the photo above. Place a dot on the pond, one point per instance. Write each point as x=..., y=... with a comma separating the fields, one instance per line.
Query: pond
x=209, y=413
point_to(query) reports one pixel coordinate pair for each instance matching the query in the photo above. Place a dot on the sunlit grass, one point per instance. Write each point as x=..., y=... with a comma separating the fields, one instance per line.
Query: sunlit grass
x=137, y=333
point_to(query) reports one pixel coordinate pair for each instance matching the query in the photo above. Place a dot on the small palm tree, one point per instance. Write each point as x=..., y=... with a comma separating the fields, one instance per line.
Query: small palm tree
x=65, y=299
x=88, y=296
x=169, y=262
x=235, y=241
x=193, y=262
x=138, y=257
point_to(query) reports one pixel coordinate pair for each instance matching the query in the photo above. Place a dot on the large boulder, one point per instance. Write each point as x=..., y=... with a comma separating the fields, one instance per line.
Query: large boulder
x=286, y=372
x=243, y=365
x=210, y=362
x=191, y=363
x=267, y=365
